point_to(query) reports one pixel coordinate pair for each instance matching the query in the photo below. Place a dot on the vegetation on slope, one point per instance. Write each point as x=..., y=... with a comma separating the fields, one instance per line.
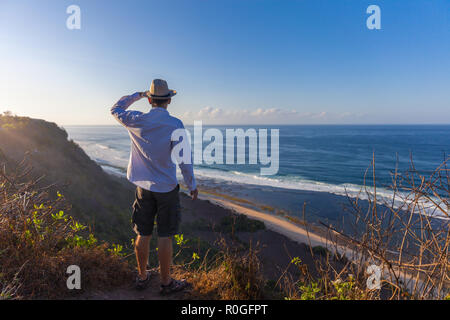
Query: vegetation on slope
x=39, y=240
x=96, y=198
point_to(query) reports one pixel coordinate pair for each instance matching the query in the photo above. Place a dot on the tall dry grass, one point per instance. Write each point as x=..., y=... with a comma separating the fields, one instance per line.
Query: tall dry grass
x=231, y=274
x=406, y=236
x=39, y=240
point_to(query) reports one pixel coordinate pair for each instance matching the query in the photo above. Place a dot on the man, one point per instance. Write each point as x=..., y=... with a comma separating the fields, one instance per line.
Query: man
x=153, y=172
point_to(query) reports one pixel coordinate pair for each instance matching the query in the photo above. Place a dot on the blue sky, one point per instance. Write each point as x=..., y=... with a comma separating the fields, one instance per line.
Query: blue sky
x=246, y=61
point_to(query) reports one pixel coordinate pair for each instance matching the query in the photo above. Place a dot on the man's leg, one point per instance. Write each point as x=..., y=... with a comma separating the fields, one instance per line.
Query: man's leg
x=142, y=249
x=165, y=251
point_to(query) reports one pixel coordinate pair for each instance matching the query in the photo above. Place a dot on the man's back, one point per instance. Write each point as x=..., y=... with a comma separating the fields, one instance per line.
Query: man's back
x=151, y=166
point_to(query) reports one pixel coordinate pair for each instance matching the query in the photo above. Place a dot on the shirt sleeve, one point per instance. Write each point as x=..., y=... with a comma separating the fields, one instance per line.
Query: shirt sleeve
x=119, y=110
x=186, y=168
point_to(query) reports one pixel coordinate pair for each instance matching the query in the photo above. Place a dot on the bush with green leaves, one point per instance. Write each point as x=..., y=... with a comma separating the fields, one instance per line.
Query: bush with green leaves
x=39, y=240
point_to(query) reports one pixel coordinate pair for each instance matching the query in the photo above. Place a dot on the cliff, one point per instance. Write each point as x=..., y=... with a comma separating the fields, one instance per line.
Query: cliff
x=99, y=200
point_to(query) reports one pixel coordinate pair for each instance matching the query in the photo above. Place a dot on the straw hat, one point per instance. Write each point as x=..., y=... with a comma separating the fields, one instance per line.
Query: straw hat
x=160, y=90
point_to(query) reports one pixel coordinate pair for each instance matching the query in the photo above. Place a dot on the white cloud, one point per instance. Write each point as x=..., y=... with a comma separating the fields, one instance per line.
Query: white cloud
x=211, y=115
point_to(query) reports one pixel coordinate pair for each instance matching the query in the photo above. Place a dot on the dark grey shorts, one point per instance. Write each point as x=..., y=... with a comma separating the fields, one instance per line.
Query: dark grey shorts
x=165, y=206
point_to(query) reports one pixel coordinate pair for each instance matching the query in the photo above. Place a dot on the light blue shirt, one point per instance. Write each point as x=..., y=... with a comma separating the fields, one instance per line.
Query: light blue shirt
x=151, y=166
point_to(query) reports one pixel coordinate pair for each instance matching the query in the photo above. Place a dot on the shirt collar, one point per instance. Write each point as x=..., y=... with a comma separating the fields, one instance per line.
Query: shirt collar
x=158, y=109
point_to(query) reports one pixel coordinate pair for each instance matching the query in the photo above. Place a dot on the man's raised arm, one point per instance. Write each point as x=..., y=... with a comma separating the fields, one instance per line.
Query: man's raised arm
x=119, y=110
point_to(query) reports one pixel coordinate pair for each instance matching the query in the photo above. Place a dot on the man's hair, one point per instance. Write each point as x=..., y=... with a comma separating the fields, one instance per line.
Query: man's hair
x=160, y=102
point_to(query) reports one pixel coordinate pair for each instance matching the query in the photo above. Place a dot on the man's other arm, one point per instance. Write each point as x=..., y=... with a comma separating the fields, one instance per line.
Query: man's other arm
x=119, y=110
x=187, y=168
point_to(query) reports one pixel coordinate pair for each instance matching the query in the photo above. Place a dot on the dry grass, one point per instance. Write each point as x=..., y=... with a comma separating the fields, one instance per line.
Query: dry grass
x=233, y=274
x=39, y=240
x=407, y=236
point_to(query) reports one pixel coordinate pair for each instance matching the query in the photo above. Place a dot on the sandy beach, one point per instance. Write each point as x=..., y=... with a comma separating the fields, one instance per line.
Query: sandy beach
x=290, y=230
x=276, y=224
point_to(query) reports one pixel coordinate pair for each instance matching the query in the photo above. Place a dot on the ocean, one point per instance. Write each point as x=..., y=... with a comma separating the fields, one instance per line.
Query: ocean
x=313, y=159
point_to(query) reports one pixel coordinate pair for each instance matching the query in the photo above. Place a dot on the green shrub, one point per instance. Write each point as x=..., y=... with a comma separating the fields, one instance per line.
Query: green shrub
x=39, y=240
x=240, y=223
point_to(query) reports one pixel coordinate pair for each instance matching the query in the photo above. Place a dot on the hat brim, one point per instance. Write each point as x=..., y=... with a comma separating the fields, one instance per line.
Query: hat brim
x=170, y=95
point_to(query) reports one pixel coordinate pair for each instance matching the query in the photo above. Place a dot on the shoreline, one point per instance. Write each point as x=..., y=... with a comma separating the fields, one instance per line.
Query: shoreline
x=274, y=223
x=281, y=226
